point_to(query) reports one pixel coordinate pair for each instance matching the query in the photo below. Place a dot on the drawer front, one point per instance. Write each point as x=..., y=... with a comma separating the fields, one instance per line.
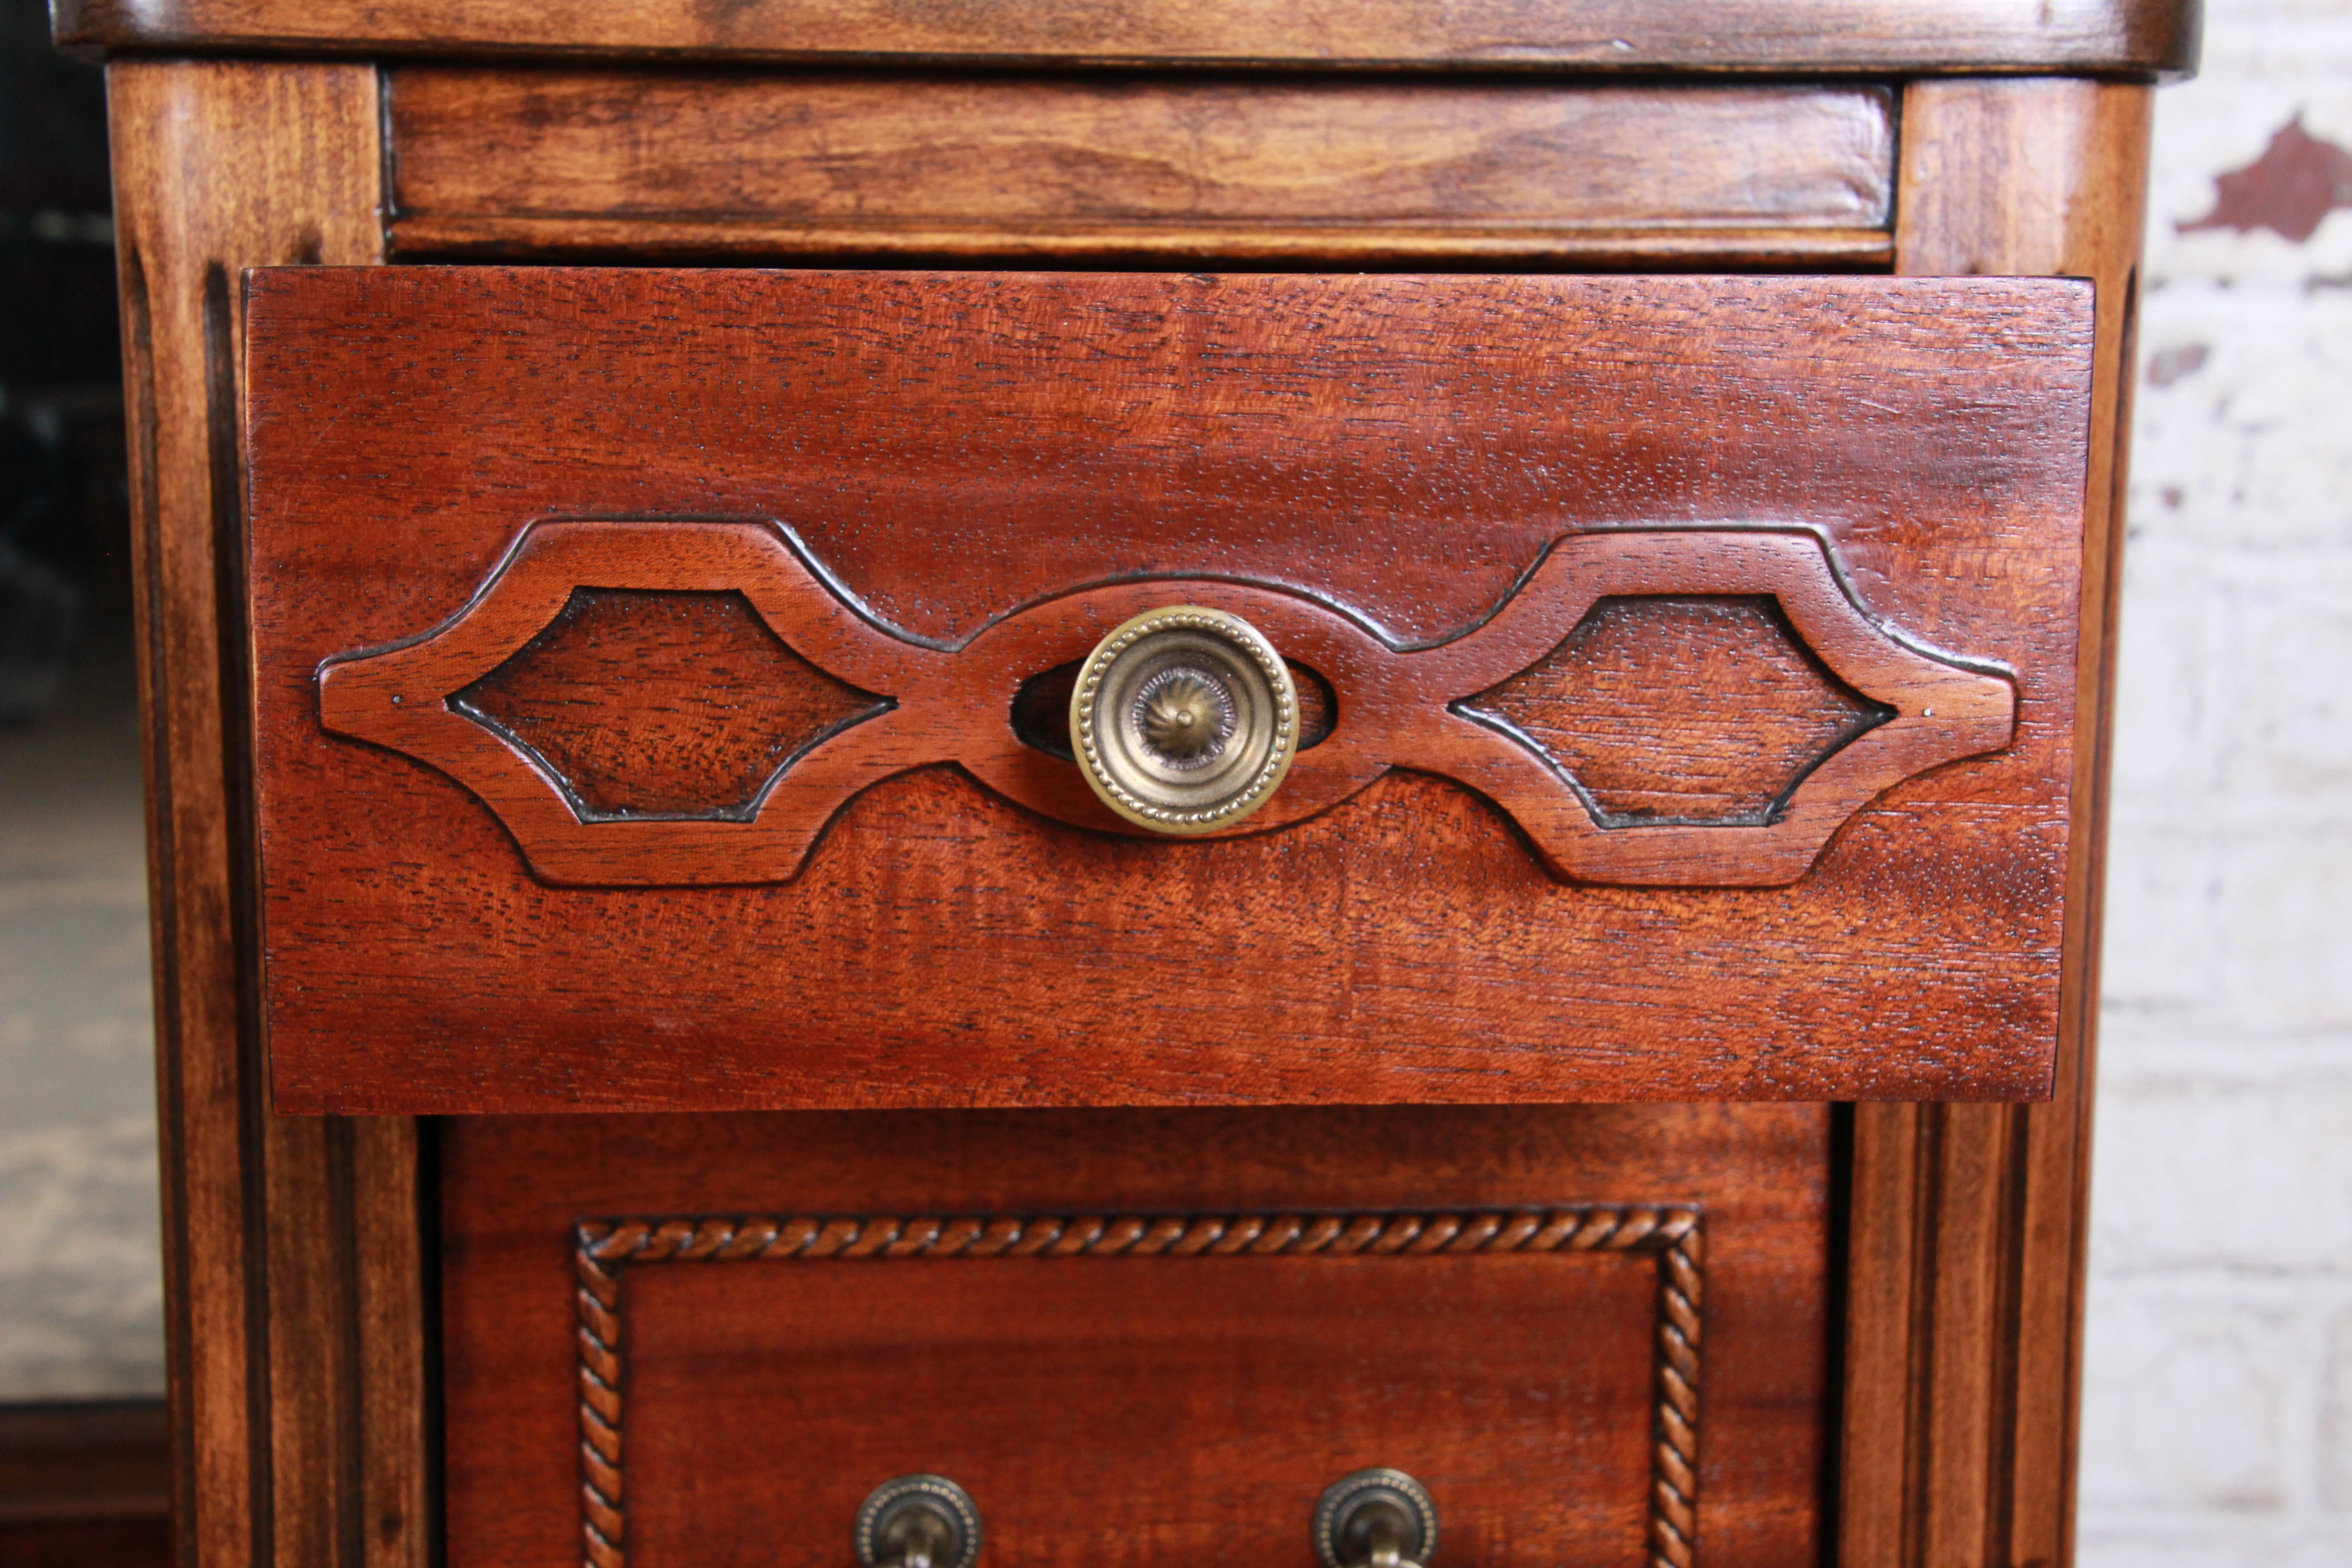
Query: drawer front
x=667, y=682
x=1595, y=1335
x=1357, y=171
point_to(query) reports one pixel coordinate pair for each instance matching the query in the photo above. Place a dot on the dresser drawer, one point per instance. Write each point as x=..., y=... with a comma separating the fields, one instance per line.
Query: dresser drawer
x=727, y=689
x=1596, y=1336
x=1047, y=168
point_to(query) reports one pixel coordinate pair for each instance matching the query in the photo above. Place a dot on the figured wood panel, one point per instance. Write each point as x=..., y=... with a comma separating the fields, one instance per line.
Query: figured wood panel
x=294, y=1320
x=1683, y=709
x=2129, y=36
x=1109, y=1391
x=652, y=704
x=1616, y=1408
x=532, y=163
x=944, y=947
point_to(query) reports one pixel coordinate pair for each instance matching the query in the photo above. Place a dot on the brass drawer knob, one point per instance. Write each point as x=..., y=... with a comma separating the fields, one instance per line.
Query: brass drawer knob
x=918, y=1522
x=1375, y=1519
x=1184, y=720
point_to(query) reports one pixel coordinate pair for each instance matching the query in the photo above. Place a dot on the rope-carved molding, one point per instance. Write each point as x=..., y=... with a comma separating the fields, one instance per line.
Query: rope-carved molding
x=1476, y=709
x=604, y=1248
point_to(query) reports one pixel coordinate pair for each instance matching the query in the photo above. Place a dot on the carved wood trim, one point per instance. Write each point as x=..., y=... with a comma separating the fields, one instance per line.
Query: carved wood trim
x=1399, y=707
x=602, y=1247
x=661, y=705
x=1747, y=711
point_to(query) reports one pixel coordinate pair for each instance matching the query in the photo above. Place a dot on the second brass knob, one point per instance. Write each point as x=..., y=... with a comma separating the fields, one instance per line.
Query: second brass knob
x=1375, y=1519
x=918, y=1521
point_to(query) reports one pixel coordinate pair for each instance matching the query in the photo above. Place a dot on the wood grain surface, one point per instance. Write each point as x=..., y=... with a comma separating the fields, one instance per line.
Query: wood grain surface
x=2135, y=38
x=661, y=704
x=1696, y=709
x=515, y=163
x=1128, y=1408
x=1024, y=1333
x=294, y=1325
x=1404, y=445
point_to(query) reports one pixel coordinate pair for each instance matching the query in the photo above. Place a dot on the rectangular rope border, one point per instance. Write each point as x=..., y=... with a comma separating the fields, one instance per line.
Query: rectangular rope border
x=602, y=1247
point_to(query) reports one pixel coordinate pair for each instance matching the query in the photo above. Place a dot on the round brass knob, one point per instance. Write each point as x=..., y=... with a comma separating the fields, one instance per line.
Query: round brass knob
x=1184, y=720
x=1375, y=1519
x=918, y=1521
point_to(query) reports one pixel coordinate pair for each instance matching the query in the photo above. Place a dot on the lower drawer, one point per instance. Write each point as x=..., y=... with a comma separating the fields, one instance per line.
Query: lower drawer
x=1595, y=1334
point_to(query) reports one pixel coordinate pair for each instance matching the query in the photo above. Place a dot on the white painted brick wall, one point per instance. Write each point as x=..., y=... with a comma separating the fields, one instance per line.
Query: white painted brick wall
x=2218, y=1400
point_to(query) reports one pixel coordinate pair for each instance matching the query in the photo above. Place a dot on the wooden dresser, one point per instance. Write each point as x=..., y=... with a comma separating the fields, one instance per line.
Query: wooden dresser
x=1171, y=781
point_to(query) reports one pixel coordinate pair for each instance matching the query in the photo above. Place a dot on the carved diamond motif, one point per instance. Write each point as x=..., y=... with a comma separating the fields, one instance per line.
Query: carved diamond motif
x=662, y=705
x=1717, y=690
x=1667, y=710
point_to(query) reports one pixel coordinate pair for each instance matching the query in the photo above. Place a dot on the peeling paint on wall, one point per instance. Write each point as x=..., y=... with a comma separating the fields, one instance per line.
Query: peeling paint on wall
x=2289, y=190
x=2165, y=367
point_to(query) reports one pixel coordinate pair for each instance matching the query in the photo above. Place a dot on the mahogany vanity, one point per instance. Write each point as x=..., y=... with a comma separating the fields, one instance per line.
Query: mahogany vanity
x=1112, y=784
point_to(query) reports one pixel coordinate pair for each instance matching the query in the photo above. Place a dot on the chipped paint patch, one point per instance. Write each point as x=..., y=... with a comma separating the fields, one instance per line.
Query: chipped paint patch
x=2290, y=189
x=2168, y=365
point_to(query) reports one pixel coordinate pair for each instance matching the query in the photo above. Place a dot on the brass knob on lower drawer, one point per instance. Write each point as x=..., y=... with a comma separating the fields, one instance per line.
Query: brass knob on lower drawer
x=918, y=1521
x=1184, y=720
x=1375, y=1519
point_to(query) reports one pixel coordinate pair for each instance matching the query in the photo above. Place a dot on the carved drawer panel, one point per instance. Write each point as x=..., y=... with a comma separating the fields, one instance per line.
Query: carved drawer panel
x=704, y=690
x=1134, y=1338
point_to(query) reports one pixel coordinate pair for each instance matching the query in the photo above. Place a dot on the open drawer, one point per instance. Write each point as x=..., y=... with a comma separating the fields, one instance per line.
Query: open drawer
x=698, y=689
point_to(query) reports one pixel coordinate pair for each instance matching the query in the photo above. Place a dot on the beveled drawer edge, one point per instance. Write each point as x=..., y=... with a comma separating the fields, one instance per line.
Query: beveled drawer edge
x=496, y=239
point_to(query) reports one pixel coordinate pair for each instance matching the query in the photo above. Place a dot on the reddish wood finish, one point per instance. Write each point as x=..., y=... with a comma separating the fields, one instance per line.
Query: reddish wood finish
x=660, y=704
x=1615, y=1407
x=1415, y=709
x=1930, y=433
x=1699, y=709
x=509, y=164
x=1886, y=37
x=1132, y=1408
